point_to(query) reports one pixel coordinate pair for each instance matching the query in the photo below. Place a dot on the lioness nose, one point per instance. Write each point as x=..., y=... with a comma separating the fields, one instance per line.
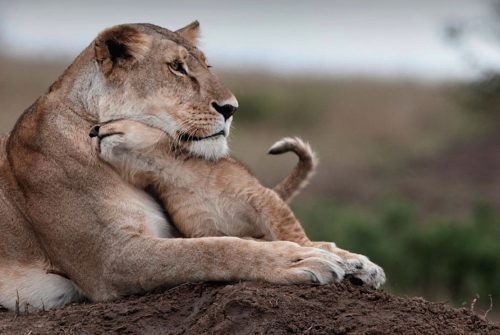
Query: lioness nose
x=227, y=110
x=94, y=132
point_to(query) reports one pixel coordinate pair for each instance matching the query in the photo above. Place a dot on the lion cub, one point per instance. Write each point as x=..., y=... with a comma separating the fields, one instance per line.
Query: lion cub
x=207, y=198
x=216, y=198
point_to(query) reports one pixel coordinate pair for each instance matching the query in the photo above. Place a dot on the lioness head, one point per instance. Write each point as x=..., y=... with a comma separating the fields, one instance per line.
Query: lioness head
x=160, y=78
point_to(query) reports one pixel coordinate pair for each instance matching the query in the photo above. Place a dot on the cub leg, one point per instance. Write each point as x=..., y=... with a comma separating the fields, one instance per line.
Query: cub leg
x=281, y=224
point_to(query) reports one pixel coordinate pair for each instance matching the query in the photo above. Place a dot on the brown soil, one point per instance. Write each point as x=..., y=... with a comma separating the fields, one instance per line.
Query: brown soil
x=253, y=308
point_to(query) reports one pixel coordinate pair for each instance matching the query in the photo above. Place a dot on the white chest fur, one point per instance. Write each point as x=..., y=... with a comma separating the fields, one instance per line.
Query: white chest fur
x=143, y=213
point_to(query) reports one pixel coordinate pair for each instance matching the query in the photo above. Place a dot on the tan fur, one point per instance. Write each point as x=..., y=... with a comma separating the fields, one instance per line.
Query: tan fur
x=64, y=211
x=215, y=198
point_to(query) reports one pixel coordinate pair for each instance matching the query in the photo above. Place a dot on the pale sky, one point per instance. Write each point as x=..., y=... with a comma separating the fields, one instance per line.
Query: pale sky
x=372, y=37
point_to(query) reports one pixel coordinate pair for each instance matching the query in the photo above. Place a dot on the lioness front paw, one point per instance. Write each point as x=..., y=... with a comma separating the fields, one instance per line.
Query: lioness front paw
x=319, y=268
x=356, y=266
x=301, y=265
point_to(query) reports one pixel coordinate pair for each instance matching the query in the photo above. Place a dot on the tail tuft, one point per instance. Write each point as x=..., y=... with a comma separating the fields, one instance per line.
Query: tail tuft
x=296, y=145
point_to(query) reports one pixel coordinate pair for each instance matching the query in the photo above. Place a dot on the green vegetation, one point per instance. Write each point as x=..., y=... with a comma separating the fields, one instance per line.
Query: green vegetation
x=439, y=258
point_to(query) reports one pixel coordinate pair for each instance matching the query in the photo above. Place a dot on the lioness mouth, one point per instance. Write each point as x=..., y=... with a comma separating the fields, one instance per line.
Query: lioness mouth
x=187, y=138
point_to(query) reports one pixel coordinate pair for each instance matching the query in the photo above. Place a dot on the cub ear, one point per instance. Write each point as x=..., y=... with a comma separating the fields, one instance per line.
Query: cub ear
x=191, y=32
x=118, y=48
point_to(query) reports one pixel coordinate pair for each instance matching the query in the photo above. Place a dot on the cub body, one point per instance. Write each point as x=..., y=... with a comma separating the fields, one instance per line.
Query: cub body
x=205, y=197
x=214, y=197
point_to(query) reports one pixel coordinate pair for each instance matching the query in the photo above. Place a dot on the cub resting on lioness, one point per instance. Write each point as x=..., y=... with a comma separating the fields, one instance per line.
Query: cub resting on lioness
x=71, y=227
x=216, y=197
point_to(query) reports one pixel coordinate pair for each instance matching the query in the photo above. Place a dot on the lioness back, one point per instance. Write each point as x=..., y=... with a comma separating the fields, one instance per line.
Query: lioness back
x=25, y=276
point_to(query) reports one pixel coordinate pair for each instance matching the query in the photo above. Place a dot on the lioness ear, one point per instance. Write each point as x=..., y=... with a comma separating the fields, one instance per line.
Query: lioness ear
x=191, y=32
x=118, y=48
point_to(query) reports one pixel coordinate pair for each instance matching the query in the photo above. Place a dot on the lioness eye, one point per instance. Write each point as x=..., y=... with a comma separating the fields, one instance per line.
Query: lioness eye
x=178, y=67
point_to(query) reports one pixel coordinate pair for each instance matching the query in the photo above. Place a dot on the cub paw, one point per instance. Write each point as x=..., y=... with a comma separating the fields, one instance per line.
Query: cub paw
x=360, y=267
x=117, y=137
x=328, y=246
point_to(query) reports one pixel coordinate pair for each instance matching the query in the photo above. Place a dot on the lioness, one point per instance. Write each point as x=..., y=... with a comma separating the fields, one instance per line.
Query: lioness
x=213, y=198
x=72, y=227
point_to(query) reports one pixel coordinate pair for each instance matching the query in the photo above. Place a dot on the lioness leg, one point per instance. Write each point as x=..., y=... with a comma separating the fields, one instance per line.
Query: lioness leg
x=167, y=262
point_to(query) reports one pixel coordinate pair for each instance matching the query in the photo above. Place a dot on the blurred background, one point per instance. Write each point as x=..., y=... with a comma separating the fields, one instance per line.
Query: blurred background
x=399, y=98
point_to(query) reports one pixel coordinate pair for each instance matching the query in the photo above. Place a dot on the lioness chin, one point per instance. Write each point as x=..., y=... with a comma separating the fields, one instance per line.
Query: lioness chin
x=72, y=227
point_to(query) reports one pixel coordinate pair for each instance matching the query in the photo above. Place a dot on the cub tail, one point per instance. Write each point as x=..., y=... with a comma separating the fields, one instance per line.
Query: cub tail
x=302, y=172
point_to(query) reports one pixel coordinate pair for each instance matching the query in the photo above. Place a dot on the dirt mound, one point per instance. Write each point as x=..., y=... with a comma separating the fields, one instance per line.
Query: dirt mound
x=253, y=308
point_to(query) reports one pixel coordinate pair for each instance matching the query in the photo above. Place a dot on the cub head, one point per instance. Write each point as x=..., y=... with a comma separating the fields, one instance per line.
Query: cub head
x=160, y=78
